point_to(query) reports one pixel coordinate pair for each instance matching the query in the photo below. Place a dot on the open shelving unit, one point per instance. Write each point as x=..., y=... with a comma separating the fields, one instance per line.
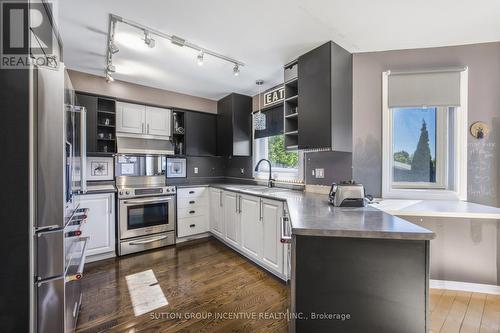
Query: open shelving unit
x=106, y=126
x=179, y=133
x=291, y=107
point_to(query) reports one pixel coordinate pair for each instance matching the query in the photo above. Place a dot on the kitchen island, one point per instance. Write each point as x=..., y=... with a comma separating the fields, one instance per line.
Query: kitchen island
x=352, y=269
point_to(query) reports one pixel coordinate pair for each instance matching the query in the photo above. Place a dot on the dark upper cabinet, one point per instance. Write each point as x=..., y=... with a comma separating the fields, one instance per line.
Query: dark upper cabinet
x=101, y=134
x=234, y=125
x=201, y=133
x=325, y=99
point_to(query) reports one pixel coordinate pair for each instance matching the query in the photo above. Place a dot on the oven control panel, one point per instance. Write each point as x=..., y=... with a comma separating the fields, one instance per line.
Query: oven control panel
x=145, y=192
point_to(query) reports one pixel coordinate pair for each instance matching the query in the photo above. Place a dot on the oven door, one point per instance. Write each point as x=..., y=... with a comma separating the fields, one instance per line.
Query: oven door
x=145, y=216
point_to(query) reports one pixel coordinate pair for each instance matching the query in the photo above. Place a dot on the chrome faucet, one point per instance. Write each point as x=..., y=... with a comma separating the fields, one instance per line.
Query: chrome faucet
x=270, y=181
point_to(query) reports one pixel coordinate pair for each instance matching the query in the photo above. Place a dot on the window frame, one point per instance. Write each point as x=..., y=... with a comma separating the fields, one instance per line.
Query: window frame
x=263, y=173
x=457, y=189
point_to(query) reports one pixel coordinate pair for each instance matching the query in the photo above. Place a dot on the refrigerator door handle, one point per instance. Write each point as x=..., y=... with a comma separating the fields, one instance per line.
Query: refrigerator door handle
x=83, y=149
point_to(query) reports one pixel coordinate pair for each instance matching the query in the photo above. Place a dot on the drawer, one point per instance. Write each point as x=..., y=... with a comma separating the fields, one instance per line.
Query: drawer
x=192, y=211
x=192, y=202
x=192, y=225
x=192, y=192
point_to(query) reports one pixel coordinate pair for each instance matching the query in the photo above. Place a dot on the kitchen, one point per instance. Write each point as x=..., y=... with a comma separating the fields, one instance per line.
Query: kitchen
x=168, y=176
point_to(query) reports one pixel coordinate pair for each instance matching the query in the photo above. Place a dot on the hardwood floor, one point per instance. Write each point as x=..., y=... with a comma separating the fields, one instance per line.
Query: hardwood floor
x=463, y=312
x=207, y=278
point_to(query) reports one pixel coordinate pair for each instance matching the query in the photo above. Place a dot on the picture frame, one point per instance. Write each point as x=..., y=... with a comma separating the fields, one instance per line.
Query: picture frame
x=100, y=168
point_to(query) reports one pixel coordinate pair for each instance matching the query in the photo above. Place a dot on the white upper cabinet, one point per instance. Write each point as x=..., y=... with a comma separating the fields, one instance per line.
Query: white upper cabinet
x=158, y=121
x=139, y=120
x=251, y=225
x=130, y=118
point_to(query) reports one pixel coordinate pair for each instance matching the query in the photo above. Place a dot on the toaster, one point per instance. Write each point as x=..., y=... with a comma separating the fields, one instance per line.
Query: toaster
x=347, y=194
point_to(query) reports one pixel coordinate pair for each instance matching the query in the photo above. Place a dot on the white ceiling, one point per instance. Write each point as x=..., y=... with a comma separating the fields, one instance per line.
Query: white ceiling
x=263, y=34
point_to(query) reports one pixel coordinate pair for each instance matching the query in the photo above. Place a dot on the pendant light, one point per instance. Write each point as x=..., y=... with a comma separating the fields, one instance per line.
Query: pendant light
x=259, y=118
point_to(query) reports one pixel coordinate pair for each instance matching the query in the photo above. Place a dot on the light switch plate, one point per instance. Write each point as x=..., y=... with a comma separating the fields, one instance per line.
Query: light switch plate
x=195, y=170
x=320, y=173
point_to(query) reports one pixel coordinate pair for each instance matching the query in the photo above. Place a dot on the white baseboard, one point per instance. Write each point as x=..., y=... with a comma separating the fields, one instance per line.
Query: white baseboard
x=102, y=256
x=465, y=286
x=188, y=238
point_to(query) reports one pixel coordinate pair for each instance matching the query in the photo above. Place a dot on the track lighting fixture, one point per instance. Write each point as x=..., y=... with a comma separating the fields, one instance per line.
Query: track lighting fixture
x=176, y=40
x=150, y=42
x=113, y=48
x=200, y=58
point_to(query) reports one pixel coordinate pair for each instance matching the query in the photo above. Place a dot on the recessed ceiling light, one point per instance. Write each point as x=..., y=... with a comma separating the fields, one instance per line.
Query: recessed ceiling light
x=236, y=70
x=200, y=58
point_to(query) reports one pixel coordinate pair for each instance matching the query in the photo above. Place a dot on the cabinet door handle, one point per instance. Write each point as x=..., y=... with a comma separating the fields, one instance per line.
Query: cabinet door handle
x=192, y=225
x=192, y=212
x=147, y=128
x=191, y=192
x=260, y=209
x=142, y=128
x=191, y=202
x=239, y=210
x=220, y=199
x=236, y=203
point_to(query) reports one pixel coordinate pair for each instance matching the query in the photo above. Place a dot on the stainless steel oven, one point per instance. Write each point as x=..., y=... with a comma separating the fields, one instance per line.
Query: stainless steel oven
x=146, y=213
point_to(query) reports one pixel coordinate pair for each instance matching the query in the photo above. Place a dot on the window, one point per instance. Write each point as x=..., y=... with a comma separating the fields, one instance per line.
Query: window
x=425, y=147
x=419, y=149
x=286, y=165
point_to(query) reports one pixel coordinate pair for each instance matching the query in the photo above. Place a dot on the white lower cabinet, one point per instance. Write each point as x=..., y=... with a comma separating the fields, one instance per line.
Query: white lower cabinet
x=273, y=251
x=192, y=211
x=231, y=218
x=216, y=212
x=100, y=225
x=251, y=225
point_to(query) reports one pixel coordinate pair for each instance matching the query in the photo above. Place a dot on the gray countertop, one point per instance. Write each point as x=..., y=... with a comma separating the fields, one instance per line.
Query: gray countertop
x=312, y=215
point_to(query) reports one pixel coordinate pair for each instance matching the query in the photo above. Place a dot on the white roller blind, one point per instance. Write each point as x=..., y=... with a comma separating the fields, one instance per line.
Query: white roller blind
x=430, y=88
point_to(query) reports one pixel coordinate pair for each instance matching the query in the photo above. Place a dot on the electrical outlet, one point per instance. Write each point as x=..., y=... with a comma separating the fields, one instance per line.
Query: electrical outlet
x=195, y=170
x=320, y=173
x=242, y=171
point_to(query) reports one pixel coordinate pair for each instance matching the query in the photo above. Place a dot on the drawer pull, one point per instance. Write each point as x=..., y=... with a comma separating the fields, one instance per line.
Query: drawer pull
x=191, y=202
x=191, y=192
x=192, y=212
x=192, y=225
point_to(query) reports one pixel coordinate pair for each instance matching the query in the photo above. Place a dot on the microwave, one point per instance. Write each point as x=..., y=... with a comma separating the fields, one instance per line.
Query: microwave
x=176, y=167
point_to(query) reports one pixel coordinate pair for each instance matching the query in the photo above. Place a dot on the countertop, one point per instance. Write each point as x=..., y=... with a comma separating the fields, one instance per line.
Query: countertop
x=437, y=208
x=312, y=215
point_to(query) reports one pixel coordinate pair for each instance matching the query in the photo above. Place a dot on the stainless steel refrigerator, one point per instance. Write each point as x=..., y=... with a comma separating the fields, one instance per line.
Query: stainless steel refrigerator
x=59, y=164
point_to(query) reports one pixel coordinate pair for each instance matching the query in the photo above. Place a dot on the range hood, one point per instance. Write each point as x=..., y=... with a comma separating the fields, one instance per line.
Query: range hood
x=126, y=145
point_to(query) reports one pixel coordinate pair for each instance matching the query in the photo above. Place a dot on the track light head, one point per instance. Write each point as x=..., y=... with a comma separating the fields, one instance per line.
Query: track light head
x=113, y=48
x=199, y=59
x=236, y=70
x=109, y=78
x=150, y=42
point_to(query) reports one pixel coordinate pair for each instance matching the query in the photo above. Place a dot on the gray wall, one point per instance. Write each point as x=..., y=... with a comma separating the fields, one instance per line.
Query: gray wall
x=483, y=61
x=140, y=94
